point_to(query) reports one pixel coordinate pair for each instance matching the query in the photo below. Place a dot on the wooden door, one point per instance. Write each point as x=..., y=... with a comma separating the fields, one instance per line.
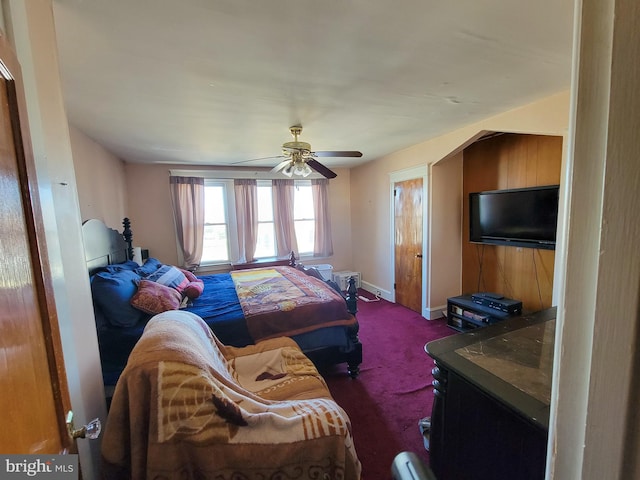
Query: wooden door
x=408, y=243
x=34, y=395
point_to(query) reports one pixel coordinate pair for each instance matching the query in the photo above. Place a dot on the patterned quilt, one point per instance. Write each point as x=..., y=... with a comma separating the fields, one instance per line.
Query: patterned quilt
x=283, y=301
x=187, y=406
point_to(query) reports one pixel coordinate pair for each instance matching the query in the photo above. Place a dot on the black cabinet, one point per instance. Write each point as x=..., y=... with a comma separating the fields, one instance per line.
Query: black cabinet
x=492, y=392
x=463, y=314
x=474, y=436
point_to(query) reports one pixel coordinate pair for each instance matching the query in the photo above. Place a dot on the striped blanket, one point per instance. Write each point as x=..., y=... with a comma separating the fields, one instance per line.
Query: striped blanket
x=187, y=406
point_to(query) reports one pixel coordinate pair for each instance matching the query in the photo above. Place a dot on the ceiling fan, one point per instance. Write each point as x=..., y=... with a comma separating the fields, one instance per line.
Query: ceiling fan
x=300, y=160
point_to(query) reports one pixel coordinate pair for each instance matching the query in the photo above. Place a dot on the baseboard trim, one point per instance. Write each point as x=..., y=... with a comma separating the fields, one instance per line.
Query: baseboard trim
x=435, y=312
x=429, y=313
x=374, y=289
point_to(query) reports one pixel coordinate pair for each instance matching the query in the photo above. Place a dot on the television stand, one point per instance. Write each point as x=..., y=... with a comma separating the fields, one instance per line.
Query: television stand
x=463, y=314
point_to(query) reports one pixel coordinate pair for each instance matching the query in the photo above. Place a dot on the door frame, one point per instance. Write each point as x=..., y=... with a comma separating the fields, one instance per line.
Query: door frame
x=412, y=173
x=41, y=280
x=62, y=219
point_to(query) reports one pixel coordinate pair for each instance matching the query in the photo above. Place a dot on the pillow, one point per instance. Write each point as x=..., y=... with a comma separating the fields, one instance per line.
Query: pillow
x=169, y=276
x=149, y=267
x=190, y=275
x=155, y=298
x=193, y=289
x=112, y=292
x=117, y=267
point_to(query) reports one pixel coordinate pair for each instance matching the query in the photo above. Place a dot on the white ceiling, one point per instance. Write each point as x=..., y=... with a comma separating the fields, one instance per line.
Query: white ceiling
x=213, y=82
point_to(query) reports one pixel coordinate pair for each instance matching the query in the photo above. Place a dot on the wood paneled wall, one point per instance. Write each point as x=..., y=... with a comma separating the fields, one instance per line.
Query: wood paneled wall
x=509, y=161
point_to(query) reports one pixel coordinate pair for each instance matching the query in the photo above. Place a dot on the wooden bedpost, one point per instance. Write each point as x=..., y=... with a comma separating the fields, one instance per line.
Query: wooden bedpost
x=354, y=358
x=352, y=297
x=127, y=234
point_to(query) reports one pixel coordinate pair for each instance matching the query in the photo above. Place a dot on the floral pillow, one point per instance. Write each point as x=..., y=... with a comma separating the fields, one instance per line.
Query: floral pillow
x=152, y=297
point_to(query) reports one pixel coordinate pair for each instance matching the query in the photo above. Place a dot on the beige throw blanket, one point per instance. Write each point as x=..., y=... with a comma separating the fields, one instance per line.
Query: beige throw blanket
x=187, y=407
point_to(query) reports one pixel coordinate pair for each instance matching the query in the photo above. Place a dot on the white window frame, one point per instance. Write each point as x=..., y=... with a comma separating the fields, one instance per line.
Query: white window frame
x=230, y=215
x=230, y=211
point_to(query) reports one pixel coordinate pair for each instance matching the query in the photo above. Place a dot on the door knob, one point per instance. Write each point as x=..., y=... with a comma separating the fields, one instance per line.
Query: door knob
x=91, y=430
x=418, y=255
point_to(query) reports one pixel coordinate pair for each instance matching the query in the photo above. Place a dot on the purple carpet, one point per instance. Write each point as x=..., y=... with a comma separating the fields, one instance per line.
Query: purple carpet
x=394, y=388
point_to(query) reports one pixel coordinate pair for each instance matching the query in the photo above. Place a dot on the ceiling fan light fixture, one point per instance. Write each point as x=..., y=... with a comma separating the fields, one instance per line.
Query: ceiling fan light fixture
x=288, y=170
x=302, y=169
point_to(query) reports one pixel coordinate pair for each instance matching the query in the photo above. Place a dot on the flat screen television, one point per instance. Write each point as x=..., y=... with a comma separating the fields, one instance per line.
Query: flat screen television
x=522, y=217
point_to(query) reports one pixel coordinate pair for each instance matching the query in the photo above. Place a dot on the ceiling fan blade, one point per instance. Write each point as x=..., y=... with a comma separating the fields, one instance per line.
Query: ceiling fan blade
x=321, y=169
x=339, y=153
x=256, y=159
x=281, y=165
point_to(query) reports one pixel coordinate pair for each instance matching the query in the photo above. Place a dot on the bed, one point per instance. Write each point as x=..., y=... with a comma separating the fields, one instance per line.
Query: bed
x=242, y=307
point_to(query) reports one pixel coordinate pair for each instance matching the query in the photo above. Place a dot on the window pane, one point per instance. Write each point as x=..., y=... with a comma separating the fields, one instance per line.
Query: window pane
x=214, y=211
x=305, y=230
x=266, y=243
x=215, y=244
x=265, y=204
x=303, y=203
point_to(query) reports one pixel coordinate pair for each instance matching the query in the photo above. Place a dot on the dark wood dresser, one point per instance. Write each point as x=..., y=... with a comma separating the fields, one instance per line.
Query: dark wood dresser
x=492, y=388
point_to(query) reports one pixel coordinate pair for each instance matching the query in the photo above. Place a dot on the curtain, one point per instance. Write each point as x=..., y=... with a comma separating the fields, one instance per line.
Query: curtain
x=187, y=198
x=322, y=243
x=246, y=194
x=283, y=194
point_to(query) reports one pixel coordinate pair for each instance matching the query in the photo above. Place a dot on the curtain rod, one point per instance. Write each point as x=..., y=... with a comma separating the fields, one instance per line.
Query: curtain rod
x=233, y=174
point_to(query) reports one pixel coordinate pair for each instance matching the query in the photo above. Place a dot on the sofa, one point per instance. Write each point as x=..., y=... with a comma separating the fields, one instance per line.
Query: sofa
x=187, y=406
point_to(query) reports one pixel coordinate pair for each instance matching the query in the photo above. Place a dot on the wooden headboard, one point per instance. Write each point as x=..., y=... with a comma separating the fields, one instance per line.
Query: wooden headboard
x=105, y=246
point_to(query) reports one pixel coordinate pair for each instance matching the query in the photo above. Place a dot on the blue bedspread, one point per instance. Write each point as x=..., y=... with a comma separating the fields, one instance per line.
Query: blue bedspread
x=220, y=308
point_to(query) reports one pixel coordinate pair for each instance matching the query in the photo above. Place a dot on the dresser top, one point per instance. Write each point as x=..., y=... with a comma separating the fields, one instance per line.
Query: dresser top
x=511, y=361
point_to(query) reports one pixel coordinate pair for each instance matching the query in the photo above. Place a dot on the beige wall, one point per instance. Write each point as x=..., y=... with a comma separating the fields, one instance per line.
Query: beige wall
x=150, y=211
x=100, y=176
x=445, y=220
x=370, y=193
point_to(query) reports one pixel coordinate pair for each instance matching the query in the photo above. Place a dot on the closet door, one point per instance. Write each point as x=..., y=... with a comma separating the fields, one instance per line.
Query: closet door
x=34, y=397
x=408, y=243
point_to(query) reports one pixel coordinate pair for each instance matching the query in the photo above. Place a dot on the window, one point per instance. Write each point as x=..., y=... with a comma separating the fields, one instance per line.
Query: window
x=220, y=235
x=304, y=218
x=266, y=246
